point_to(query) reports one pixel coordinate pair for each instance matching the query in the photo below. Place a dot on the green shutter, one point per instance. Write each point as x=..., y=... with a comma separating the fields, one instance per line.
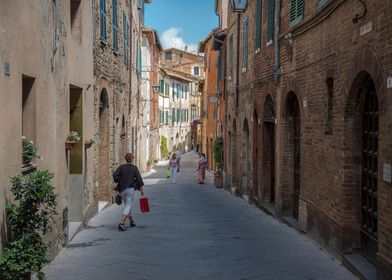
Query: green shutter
x=259, y=12
x=271, y=20
x=297, y=10
x=173, y=115
x=115, y=26
x=245, y=29
x=161, y=86
x=102, y=12
x=167, y=117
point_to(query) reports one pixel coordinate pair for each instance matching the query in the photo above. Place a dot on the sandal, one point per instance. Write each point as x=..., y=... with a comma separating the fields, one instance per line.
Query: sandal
x=121, y=227
x=132, y=223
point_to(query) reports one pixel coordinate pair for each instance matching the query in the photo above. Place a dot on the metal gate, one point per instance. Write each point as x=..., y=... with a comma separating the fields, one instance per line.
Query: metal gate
x=369, y=210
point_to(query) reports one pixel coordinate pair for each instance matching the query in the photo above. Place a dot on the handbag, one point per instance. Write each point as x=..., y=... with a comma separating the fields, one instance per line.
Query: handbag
x=118, y=199
x=144, y=206
x=168, y=174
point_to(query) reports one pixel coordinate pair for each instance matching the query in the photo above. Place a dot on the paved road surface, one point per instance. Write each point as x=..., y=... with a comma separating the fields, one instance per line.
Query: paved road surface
x=193, y=232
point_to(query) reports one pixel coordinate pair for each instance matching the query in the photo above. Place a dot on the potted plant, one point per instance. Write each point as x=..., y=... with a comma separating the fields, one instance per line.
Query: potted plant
x=72, y=139
x=29, y=151
x=93, y=140
x=30, y=219
x=218, y=158
x=149, y=165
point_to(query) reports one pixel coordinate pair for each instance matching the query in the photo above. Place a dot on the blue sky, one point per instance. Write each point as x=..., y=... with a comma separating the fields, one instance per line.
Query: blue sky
x=181, y=22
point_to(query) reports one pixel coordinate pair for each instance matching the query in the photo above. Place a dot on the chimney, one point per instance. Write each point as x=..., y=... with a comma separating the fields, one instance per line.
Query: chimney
x=186, y=48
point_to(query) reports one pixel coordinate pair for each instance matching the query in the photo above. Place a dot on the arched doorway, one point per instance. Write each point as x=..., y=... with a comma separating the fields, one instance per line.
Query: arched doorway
x=268, y=170
x=292, y=156
x=255, y=155
x=246, y=159
x=361, y=179
x=103, y=162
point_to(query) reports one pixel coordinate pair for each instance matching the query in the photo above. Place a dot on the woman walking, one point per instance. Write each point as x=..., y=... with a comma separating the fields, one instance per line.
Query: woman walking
x=174, y=164
x=201, y=168
x=128, y=179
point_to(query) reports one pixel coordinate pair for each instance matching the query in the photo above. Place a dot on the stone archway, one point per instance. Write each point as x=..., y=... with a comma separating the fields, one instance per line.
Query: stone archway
x=361, y=141
x=291, y=176
x=103, y=163
x=268, y=167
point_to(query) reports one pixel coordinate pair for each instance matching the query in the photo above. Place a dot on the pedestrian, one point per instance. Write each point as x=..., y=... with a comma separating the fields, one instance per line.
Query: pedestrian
x=178, y=155
x=174, y=167
x=197, y=147
x=201, y=168
x=128, y=179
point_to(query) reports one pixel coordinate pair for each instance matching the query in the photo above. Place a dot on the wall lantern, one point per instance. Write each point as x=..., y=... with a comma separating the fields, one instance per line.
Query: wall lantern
x=239, y=6
x=155, y=88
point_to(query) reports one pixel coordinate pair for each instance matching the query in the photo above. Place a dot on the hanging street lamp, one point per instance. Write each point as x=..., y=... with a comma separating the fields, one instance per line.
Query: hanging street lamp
x=239, y=6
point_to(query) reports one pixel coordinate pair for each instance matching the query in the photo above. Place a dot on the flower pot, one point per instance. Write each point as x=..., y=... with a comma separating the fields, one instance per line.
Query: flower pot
x=88, y=144
x=70, y=144
x=218, y=180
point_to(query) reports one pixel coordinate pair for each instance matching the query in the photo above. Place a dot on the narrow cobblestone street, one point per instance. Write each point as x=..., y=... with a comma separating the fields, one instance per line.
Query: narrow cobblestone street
x=193, y=232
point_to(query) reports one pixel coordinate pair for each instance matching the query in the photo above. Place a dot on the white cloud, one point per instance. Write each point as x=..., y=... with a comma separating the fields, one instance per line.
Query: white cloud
x=171, y=38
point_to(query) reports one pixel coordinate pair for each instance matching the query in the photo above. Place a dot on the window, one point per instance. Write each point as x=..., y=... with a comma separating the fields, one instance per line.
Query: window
x=296, y=11
x=196, y=70
x=328, y=107
x=168, y=55
x=270, y=21
x=76, y=20
x=161, y=86
x=173, y=90
x=259, y=13
x=115, y=26
x=167, y=117
x=102, y=13
x=29, y=108
x=126, y=31
x=173, y=115
x=178, y=115
x=245, y=29
x=139, y=61
x=231, y=43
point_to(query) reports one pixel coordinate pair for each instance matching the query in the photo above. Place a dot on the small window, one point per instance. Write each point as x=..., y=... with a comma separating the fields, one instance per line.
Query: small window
x=76, y=20
x=196, y=70
x=168, y=55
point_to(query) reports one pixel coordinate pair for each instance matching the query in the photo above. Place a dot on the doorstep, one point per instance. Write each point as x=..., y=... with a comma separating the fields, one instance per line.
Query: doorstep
x=73, y=229
x=291, y=222
x=360, y=266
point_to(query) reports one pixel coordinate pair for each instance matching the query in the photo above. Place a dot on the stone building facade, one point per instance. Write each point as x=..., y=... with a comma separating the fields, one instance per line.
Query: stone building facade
x=44, y=95
x=307, y=123
x=179, y=105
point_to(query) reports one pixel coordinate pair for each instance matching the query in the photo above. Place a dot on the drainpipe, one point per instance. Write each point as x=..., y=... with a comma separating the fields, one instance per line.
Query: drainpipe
x=277, y=70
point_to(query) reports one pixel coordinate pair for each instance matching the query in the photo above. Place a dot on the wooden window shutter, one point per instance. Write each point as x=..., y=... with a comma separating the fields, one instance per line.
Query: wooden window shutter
x=115, y=26
x=297, y=11
x=245, y=29
x=271, y=20
x=259, y=12
x=102, y=12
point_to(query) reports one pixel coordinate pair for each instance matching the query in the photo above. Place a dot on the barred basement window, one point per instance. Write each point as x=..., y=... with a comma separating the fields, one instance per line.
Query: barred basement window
x=328, y=107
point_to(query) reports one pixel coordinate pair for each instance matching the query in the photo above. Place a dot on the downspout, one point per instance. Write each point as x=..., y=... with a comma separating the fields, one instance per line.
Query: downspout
x=277, y=70
x=237, y=82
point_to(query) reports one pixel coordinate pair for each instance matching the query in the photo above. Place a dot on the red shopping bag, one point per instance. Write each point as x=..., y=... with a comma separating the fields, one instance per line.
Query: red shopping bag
x=144, y=206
